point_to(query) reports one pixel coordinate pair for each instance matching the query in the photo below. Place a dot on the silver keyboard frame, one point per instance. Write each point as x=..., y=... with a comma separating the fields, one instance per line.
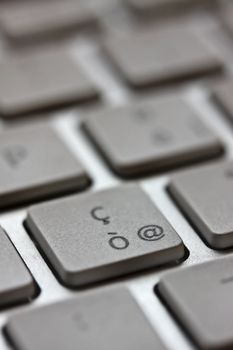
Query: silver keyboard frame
x=87, y=52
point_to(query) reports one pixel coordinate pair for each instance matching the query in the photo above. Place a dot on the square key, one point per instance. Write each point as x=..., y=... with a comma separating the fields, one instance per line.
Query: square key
x=226, y=14
x=92, y=237
x=200, y=297
x=28, y=21
x=205, y=195
x=151, y=136
x=158, y=57
x=41, y=81
x=108, y=320
x=16, y=282
x=35, y=163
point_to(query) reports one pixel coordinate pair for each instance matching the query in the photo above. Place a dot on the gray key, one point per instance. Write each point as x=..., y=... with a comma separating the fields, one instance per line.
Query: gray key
x=16, y=283
x=226, y=15
x=206, y=196
x=151, y=136
x=42, y=80
x=92, y=237
x=222, y=94
x=35, y=163
x=161, y=7
x=26, y=21
x=108, y=320
x=201, y=298
x=149, y=58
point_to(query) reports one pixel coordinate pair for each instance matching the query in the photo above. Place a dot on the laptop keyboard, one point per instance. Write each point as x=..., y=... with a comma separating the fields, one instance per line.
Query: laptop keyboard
x=116, y=146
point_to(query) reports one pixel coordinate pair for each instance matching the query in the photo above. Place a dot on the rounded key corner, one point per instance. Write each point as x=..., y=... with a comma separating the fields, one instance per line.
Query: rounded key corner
x=219, y=241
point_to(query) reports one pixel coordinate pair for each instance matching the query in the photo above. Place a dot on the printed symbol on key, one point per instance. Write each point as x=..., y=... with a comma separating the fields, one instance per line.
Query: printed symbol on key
x=141, y=114
x=95, y=214
x=14, y=155
x=162, y=137
x=151, y=233
x=118, y=242
x=229, y=173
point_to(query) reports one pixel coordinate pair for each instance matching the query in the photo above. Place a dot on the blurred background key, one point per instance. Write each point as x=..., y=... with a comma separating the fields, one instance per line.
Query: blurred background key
x=35, y=164
x=162, y=7
x=16, y=283
x=222, y=95
x=42, y=80
x=27, y=21
x=151, y=136
x=111, y=320
x=159, y=57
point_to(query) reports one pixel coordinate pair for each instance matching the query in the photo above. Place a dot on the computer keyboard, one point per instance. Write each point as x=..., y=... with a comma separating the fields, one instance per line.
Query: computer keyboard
x=116, y=148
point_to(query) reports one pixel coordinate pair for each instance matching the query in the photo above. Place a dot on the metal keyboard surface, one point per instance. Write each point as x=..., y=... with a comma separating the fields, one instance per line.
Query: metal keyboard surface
x=86, y=49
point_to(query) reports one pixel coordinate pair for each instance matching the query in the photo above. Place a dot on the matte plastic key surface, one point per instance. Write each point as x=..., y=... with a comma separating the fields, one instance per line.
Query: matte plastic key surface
x=162, y=7
x=28, y=21
x=92, y=237
x=150, y=58
x=40, y=81
x=16, y=283
x=206, y=196
x=222, y=95
x=226, y=15
x=200, y=297
x=108, y=320
x=35, y=163
x=150, y=136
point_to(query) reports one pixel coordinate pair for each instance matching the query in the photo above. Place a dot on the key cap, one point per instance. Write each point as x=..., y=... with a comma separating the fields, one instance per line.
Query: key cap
x=162, y=7
x=34, y=164
x=150, y=136
x=201, y=299
x=206, y=197
x=150, y=58
x=222, y=94
x=16, y=283
x=108, y=320
x=226, y=15
x=92, y=237
x=31, y=20
x=42, y=80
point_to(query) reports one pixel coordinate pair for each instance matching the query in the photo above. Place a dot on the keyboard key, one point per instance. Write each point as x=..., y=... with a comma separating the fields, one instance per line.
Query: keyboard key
x=92, y=237
x=151, y=136
x=227, y=16
x=34, y=164
x=161, y=7
x=16, y=283
x=42, y=80
x=201, y=299
x=206, y=197
x=107, y=320
x=223, y=96
x=149, y=58
x=27, y=21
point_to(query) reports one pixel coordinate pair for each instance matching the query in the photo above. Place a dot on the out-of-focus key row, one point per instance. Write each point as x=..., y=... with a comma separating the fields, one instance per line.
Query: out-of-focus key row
x=47, y=78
